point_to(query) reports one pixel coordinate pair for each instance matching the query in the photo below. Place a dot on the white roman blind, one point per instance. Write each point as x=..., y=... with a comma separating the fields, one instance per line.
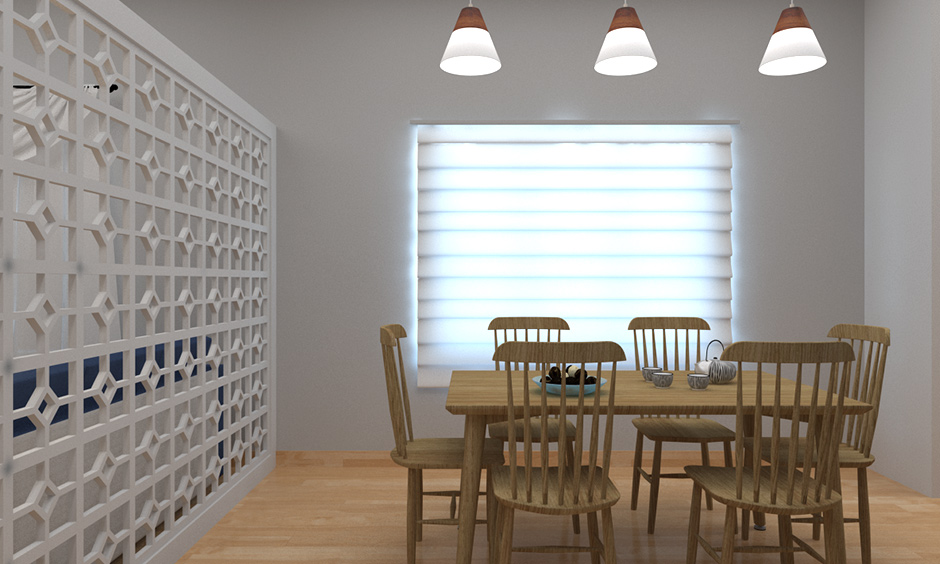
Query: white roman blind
x=597, y=224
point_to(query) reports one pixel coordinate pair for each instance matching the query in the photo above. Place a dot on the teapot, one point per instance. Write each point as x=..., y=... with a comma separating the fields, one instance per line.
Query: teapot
x=719, y=371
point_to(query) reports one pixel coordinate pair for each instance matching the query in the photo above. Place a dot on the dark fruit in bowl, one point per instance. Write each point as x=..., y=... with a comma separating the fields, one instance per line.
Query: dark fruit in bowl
x=573, y=377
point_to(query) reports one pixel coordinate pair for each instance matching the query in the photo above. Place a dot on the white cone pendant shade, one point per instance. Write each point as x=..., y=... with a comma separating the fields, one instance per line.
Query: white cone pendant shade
x=793, y=48
x=470, y=51
x=626, y=49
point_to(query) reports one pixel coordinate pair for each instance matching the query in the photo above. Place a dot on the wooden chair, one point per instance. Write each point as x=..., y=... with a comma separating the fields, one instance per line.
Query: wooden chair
x=418, y=455
x=538, y=486
x=531, y=329
x=671, y=332
x=793, y=484
x=867, y=376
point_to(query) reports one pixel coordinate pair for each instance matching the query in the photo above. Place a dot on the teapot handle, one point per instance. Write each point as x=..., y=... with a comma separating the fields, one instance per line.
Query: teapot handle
x=710, y=344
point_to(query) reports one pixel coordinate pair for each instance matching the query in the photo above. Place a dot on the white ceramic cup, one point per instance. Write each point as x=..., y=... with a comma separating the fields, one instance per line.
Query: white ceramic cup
x=698, y=381
x=662, y=379
x=648, y=372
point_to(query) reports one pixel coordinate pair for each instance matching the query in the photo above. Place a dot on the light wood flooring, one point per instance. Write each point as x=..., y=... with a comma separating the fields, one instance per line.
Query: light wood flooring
x=349, y=507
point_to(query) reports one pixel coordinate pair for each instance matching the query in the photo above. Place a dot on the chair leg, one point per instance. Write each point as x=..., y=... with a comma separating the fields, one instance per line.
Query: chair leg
x=610, y=549
x=706, y=461
x=786, y=538
x=569, y=453
x=411, y=528
x=695, y=516
x=419, y=497
x=594, y=534
x=727, y=542
x=760, y=520
x=745, y=524
x=505, y=521
x=864, y=516
x=654, y=485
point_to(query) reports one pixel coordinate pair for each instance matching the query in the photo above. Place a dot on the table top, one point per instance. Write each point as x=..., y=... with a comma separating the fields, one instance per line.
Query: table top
x=483, y=392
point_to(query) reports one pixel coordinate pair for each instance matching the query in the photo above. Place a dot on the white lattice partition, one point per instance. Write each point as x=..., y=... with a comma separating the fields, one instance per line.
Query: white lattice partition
x=137, y=283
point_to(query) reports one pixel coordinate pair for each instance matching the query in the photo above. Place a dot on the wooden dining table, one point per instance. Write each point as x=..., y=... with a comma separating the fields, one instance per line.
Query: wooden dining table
x=481, y=397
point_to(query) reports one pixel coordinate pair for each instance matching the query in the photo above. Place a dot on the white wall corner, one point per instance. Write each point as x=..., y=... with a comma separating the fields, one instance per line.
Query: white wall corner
x=934, y=17
x=901, y=239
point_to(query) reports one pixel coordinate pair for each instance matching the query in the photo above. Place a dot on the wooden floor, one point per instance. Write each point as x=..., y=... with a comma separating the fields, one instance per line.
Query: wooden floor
x=350, y=507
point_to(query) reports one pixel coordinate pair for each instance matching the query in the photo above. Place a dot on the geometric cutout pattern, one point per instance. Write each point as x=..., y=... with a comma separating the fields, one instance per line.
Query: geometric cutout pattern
x=137, y=212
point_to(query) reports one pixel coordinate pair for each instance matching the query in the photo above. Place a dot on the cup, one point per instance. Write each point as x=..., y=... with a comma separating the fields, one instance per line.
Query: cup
x=698, y=381
x=662, y=379
x=648, y=372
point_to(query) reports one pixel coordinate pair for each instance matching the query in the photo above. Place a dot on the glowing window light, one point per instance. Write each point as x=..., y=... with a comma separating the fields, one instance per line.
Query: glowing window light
x=596, y=224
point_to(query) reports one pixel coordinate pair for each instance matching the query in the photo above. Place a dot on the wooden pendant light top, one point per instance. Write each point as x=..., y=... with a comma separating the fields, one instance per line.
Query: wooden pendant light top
x=790, y=18
x=470, y=17
x=625, y=17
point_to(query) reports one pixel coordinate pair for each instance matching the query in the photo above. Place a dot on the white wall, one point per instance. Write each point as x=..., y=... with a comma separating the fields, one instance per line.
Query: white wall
x=344, y=79
x=902, y=229
x=934, y=17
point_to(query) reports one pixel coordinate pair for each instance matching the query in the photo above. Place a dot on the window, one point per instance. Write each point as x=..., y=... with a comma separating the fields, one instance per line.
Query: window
x=597, y=224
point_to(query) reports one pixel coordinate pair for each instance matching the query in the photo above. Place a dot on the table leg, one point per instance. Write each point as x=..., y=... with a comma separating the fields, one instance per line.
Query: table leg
x=760, y=520
x=834, y=530
x=474, y=432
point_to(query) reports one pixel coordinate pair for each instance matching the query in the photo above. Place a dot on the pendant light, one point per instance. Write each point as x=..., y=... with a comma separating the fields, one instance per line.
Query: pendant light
x=470, y=51
x=793, y=47
x=626, y=49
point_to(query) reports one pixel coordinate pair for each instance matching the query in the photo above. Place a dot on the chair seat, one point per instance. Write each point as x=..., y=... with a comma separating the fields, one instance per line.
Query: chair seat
x=502, y=489
x=849, y=456
x=424, y=454
x=501, y=430
x=719, y=482
x=683, y=430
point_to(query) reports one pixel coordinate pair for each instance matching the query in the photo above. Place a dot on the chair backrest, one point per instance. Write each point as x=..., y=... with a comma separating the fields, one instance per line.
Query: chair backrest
x=653, y=337
x=527, y=360
x=825, y=367
x=871, y=351
x=537, y=329
x=398, y=405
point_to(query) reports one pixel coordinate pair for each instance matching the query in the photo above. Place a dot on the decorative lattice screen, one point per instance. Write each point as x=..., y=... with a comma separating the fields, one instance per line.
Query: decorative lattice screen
x=137, y=288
